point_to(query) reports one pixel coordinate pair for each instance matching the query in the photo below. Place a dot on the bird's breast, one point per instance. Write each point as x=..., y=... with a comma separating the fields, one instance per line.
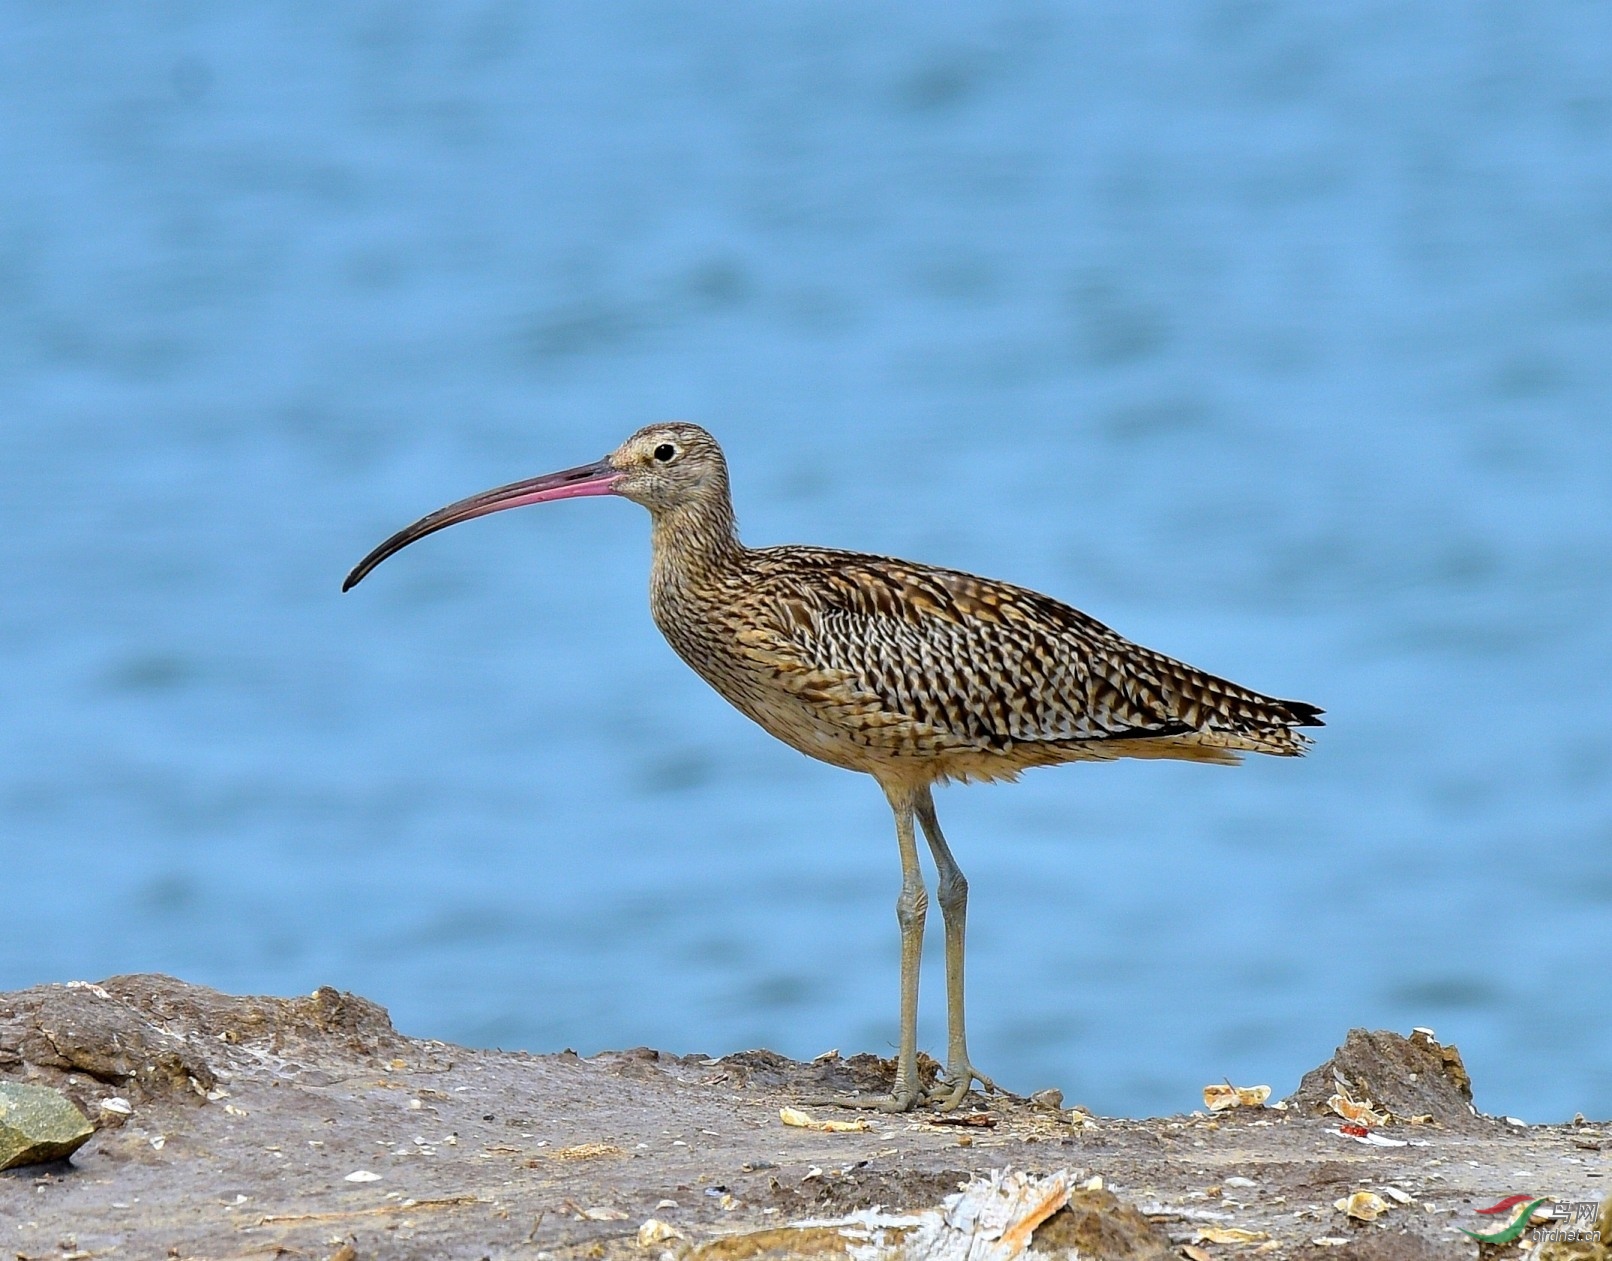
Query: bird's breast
x=707, y=631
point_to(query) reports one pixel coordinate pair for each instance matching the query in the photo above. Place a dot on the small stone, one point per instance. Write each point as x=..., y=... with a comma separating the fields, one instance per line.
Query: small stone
x=655, y=1231
x=1365, y=1206
x=38, y=1124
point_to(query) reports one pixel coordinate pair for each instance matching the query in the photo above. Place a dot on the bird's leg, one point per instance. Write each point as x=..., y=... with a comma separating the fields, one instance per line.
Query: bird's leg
x=953, y=890
x=911, y=907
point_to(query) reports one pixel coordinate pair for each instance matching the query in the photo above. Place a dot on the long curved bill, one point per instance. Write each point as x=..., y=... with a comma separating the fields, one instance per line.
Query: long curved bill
x=589, y=479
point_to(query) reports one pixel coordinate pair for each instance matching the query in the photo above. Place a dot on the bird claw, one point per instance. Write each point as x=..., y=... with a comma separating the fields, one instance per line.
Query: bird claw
x=950, y=1091
x=946, y=1095
x=897, y=1101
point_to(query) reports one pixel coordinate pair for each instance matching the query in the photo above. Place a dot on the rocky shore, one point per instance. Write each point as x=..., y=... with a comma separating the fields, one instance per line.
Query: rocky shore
x=240, y=1127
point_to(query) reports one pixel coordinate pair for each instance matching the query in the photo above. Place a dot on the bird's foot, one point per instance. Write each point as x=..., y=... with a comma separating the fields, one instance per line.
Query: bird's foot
x=946, y=1095
x=953, y=1087
x=899, y=1100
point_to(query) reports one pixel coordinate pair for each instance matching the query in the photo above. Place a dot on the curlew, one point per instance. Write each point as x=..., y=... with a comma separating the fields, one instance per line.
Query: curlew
x=912, y=674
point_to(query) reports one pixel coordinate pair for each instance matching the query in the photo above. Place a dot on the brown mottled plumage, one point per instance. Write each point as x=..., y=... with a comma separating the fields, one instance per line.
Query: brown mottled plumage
x=913, y=674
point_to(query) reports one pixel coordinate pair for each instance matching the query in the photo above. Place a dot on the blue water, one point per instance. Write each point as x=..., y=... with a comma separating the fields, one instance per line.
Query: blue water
x=1277, y=336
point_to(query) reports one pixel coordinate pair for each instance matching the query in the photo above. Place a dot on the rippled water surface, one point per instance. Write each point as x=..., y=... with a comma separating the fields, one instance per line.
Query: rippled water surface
x=1275, y=335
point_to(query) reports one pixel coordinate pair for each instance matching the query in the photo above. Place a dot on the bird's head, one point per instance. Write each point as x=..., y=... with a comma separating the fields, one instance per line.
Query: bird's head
x=668, y=465
x=664, y=467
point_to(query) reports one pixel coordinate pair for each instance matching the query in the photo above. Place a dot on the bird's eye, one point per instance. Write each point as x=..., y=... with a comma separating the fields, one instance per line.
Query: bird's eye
x=665, y=453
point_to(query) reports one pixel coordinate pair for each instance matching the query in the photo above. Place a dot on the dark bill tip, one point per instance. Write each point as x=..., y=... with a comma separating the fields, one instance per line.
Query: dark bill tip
x=599, y=478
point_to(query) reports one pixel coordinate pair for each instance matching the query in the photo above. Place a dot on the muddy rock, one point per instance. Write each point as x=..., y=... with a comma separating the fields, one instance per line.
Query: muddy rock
x=79, y=1037
x=38, y=1124
x=1098, y=1224
x=148, y=1038
x=1405, y=1077
x=253, y=1126
x=327, y=1021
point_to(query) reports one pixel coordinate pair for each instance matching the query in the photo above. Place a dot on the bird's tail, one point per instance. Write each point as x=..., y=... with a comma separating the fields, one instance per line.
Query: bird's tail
x=1222, y=719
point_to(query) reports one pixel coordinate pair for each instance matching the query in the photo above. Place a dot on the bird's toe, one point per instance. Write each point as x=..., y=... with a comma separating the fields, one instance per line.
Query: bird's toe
x=948, y=1093
x=896, y=1101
